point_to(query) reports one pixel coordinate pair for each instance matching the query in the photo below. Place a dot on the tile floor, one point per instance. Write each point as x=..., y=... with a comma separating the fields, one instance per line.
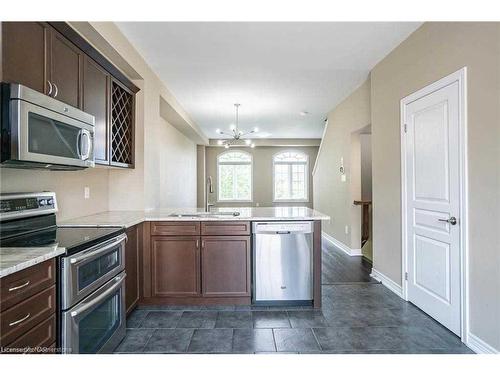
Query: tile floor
x=355, y=318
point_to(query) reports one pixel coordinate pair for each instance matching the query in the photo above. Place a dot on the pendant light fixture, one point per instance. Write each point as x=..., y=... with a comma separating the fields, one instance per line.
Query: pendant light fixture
x=236, y=134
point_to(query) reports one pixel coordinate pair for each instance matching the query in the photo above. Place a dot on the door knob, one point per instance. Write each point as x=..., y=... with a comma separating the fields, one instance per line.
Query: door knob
x=452, y=220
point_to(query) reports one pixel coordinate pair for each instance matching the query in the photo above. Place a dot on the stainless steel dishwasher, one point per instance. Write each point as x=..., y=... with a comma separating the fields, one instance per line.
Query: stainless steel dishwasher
x=282, y=262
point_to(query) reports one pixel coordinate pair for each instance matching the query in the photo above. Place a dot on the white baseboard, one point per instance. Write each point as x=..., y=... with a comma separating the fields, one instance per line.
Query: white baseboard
x=479, y=346
x=340, y=245
x=388, y=283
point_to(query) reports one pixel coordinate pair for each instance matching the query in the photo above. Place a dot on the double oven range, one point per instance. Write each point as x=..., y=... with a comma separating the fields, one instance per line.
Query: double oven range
x=91, y=276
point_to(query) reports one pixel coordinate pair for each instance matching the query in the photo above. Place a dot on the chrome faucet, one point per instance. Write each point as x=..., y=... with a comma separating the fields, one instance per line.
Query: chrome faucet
x=209, y=188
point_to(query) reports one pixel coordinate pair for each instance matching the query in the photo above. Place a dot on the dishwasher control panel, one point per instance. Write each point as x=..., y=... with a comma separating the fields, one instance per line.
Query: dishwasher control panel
x=283, y=227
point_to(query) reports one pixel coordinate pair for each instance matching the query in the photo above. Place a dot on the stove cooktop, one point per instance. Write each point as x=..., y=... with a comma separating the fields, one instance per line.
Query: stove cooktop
x=74, y=239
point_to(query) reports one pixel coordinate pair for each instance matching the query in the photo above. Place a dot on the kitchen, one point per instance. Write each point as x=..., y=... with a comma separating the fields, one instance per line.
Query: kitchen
x=81, y=117
x=181, y=200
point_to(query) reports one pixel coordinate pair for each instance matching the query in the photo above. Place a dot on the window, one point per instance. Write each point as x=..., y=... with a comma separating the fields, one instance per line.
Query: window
x=290, y=170
x=234, y=170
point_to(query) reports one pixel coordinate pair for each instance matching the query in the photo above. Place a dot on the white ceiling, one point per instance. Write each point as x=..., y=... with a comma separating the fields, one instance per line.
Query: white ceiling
x=275, y=70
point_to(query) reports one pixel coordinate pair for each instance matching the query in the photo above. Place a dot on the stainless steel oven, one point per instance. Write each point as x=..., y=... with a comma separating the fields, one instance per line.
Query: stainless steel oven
x=97, y=323
x=41, y=132
x=84, y=272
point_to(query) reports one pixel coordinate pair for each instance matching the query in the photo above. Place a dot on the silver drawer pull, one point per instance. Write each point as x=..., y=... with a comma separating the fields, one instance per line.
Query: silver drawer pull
x=19, y=286
x=19, y=321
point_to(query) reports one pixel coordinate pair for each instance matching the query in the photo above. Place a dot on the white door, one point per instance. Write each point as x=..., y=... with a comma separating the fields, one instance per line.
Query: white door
x=432, y=171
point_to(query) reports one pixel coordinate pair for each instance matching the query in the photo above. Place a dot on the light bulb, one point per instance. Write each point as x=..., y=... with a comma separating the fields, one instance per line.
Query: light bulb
x=218, y=131
x=256, y=129
x=252, y=145
x=248, y=142
x=220, y=142
x=226, y=146
x=232, y=127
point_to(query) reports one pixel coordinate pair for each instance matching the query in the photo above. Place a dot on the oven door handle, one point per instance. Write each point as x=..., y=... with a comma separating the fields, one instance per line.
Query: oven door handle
x=95, y=301
x=92, y=253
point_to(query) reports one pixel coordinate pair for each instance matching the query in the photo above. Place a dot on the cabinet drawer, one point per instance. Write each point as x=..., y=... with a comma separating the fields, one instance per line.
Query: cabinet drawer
x=169, y=228
x=225, y=228
x=19, y=319
x=43, y=336
x=23, y=284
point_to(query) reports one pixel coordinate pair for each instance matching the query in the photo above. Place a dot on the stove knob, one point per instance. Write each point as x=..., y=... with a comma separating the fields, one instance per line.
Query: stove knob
x=50, y=202
x=42, y=202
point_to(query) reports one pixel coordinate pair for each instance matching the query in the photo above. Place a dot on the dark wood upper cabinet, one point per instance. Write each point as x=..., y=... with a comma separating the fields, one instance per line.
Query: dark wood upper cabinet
x=175, y=266
x=96, y=91
x=24, y=54
x=132, y=248
x=65, y=61
x=54, y=59
x=225, y=266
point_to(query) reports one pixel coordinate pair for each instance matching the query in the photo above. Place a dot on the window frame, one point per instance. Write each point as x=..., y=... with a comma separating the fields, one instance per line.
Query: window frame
x=219, y=200
x=306, y=175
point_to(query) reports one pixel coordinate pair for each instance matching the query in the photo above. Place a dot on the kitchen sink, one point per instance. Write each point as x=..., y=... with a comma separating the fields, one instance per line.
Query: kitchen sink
x=205, y=214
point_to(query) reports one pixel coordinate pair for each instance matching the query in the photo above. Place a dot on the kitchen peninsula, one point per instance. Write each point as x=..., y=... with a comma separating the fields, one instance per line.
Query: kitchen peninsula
x=186, y=256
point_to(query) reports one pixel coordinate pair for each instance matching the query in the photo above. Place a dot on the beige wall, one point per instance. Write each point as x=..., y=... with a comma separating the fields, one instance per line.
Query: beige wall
x=430, y=53
x=163, y=156
x=331, y=195
x=262, y=174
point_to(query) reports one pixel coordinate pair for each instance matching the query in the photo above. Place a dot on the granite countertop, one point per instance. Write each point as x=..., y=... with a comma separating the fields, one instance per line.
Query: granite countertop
x=14, y=259
x=130, y=218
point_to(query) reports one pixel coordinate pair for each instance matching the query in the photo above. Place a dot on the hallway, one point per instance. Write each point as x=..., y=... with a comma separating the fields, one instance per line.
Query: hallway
x=340, y=268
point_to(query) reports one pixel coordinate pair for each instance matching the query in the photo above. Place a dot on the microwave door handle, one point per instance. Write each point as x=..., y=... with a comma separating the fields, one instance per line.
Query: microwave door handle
x=85, y=134
x=87, y=305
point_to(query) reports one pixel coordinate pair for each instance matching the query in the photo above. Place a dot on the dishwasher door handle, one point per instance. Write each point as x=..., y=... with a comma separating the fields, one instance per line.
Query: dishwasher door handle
x=283, y=232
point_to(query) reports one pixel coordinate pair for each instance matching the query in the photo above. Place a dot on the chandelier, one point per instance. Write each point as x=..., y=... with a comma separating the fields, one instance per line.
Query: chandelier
x=236, y=134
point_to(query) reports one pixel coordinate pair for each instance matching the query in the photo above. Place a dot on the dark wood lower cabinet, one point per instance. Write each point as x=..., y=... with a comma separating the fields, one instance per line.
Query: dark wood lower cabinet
x=175, y=266
x=225, y=266
x=132, y=253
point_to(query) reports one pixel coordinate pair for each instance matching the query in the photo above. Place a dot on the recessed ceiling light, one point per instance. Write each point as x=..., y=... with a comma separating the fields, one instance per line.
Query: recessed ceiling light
x=303, y=113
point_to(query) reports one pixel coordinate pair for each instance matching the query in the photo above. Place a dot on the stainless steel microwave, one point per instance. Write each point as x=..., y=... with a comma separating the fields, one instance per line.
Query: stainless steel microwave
x=41, y=132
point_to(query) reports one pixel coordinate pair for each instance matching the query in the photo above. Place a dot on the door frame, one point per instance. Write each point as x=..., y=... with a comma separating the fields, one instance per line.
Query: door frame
x=459, y=76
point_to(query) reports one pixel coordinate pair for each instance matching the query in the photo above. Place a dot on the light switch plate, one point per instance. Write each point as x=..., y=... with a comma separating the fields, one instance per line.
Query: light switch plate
x=343, y=178
x=86, y=192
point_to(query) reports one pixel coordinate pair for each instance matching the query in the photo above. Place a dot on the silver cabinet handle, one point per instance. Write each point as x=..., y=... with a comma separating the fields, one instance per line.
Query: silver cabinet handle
x=197, y=244
x=452, y=220
x=50, y=88
x=57, y=91
x=19, y=286
x=20, y=320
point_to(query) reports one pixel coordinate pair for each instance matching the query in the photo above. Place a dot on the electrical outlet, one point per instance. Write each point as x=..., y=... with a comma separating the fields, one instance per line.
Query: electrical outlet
x=346, y=229
x=86, y=192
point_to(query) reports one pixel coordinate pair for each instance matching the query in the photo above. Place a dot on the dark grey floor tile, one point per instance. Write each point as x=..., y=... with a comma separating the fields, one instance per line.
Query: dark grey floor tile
x=307, y=319
x=134, y=341
x=169, y=341
x=219, y=307
x=270, y=319
x=234, y=319
x=135, y=318
x=295, y=340
x=161, y=319
x=276, y=353
x=357, y=338
x=197, y=319
x=425, y=338
x=253, y=340
x=211, y=341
